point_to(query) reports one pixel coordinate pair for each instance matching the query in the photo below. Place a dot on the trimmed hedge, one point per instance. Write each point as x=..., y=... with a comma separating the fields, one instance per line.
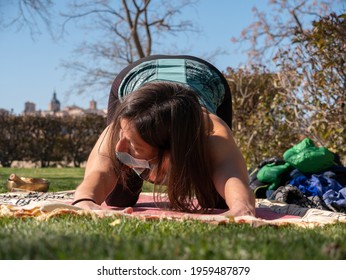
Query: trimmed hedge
x=49, y=139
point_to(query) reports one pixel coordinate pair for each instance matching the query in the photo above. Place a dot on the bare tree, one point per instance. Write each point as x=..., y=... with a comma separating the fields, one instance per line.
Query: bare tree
x=129, y=30
x=274, y=29
x=27, y=14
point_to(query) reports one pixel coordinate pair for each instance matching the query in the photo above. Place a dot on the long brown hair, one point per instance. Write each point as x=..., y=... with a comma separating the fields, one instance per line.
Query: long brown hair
x=169, y=117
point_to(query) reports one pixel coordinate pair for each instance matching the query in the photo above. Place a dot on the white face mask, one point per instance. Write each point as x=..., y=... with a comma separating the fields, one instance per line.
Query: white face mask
x=138, y=165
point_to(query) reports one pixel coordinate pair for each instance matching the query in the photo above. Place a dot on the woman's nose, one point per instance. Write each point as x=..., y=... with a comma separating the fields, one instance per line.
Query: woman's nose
x=121, y=145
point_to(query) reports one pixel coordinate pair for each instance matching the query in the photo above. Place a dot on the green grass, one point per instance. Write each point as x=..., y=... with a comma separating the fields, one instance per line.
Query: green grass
x=71, y=237
x=60, y=178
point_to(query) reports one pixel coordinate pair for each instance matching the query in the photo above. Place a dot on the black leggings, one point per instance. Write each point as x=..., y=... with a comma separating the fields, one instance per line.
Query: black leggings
x=124, y=196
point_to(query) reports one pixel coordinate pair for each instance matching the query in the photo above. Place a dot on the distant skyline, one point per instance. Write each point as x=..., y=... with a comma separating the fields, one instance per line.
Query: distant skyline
x=84, y=105
x=30, y=70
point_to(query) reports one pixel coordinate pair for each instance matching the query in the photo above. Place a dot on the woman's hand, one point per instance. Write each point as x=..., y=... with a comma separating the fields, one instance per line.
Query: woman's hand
x=88, y=205
x=240, y=209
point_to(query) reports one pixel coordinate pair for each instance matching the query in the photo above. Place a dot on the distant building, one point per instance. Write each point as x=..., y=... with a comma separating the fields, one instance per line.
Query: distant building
x=93, y=109
x=29, y=108
x=54, y=105
x=93, y=105
x=73, y=111
x=4, y=112
x=54, y=109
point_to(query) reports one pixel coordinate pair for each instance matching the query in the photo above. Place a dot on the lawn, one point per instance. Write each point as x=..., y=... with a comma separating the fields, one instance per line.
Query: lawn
x=71, y=237
x=60, y=178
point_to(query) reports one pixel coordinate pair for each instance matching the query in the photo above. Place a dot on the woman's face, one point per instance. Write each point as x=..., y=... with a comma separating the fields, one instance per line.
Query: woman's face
x=132, y=143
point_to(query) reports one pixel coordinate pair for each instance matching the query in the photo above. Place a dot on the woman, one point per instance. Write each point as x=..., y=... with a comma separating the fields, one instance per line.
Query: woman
x=169, y=120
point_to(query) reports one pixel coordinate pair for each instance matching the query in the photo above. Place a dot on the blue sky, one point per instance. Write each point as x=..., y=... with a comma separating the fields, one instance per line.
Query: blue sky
x=31, y=70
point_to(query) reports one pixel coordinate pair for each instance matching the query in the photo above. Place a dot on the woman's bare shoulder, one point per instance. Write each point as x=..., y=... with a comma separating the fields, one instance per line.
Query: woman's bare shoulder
x=218, y=127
